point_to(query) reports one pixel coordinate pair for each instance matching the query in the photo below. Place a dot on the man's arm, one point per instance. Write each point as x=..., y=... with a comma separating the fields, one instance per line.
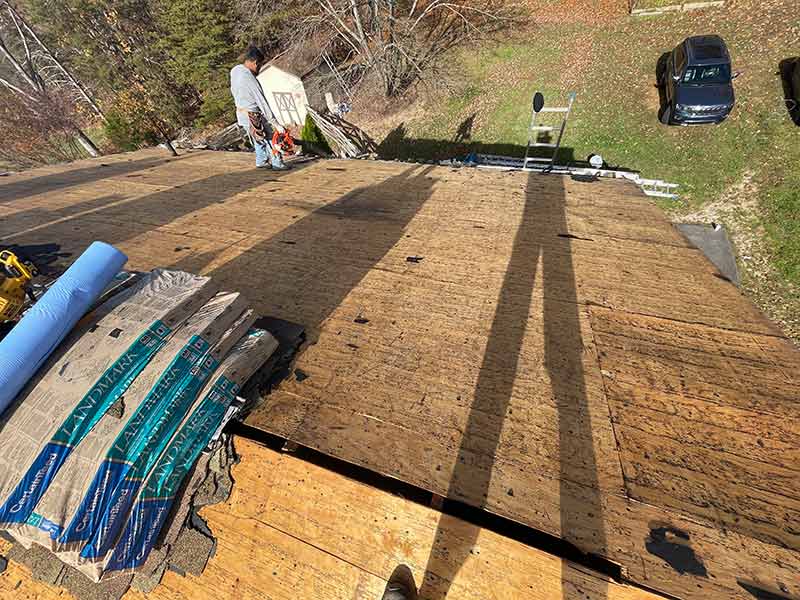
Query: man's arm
x=263, y=106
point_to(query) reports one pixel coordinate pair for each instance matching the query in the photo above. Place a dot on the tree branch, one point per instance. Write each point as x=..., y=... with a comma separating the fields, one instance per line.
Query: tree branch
x=16, y=90
x=15, y=63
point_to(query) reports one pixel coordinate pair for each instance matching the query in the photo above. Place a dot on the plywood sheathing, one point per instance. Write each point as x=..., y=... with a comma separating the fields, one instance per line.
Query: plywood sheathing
x=295, y=530
x=549, y=350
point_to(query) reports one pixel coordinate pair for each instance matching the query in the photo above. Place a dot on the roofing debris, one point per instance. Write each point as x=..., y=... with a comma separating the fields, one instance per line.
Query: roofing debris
x=340, y=142
x=231, y=137
x=712, y=239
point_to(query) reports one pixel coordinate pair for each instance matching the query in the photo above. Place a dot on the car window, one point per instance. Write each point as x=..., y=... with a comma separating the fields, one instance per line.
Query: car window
x=680, y=59
x=708, y=74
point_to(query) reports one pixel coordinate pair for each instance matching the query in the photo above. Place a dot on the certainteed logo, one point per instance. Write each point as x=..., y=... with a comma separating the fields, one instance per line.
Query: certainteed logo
x=35, y=482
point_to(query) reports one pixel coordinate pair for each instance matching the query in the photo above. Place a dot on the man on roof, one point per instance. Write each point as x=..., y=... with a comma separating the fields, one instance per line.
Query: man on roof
x=252, y=110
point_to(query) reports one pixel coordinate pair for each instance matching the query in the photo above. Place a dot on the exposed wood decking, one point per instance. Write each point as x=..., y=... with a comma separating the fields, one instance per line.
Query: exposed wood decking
x=550, y=350
x=295, y=530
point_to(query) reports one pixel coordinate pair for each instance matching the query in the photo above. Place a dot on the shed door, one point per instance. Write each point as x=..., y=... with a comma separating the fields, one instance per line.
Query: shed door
x=287, y=109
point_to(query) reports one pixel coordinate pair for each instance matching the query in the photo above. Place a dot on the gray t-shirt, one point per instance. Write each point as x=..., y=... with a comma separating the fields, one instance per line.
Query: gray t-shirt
x=248, y=95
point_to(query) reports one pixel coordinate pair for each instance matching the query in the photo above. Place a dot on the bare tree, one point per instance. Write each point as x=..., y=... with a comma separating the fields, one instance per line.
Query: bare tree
x=29, y=139
x=35, y=76
x=49, y=66
x=399, y=40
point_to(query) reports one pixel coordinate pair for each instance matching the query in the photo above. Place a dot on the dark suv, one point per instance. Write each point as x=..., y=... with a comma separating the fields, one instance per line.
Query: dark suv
x=697, y=82
x=796, y=79
x=794, y=90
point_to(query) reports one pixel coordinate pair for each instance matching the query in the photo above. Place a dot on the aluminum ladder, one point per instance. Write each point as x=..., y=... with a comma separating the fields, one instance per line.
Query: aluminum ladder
x=536, y=128
x=658, y=188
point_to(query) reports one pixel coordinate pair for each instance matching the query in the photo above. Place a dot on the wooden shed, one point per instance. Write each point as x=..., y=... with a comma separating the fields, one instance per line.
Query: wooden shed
x=286, y=95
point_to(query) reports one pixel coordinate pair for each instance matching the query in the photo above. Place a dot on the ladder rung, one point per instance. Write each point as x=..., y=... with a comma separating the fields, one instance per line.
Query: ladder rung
x=542, y=128
x=554, y=109
x=543, y=145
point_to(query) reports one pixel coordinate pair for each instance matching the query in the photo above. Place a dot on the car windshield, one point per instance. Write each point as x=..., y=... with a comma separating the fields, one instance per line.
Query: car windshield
x=709, y=74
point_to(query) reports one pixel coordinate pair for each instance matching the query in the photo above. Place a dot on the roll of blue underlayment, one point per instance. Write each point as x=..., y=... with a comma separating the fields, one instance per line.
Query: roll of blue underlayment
x=51, y=318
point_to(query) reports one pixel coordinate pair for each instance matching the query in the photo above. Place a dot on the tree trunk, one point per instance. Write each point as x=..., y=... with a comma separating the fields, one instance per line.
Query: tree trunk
x=86, y=143
x=170, y=147
x=20, y=69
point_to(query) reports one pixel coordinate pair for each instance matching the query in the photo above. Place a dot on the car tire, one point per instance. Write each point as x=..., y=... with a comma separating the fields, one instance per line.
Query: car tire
x=666, y=116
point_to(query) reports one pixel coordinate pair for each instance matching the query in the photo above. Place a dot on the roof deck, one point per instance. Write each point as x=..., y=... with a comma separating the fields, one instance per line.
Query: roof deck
x=548, y=350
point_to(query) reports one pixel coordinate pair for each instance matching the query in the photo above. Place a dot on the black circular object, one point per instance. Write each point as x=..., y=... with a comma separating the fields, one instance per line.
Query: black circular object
x=538, y=102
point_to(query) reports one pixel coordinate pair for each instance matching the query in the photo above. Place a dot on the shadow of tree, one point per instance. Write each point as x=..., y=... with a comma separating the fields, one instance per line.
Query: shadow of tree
x=399, y=145
x=353, y=232
x=140, y=215
x=17, y=190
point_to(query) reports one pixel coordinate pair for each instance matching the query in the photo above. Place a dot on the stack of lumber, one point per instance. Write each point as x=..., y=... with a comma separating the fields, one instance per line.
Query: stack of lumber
x=93, y=452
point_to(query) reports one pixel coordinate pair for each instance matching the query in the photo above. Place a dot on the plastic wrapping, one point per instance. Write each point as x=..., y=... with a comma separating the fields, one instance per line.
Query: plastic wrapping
x=106, y=353
x=95, y=483
x=44, y=326
x=155, y=500
x=143, y=400
x=101, y=516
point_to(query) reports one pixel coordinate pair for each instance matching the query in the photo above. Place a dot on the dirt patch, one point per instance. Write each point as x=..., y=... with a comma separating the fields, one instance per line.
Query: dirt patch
x=738, y=210
x=653, y=98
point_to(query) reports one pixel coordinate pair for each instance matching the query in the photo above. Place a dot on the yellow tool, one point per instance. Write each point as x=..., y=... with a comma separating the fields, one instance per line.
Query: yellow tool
x=15, y=282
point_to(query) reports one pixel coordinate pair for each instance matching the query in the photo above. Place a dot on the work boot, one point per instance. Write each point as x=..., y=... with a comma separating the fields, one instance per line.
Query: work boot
x=401, y=585
x=276, y=160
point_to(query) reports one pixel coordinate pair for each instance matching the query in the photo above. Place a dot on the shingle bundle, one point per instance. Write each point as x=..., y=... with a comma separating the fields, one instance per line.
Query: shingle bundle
x=94, y=450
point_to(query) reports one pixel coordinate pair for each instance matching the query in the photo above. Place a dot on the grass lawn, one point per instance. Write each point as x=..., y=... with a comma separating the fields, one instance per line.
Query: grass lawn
x=612, y=68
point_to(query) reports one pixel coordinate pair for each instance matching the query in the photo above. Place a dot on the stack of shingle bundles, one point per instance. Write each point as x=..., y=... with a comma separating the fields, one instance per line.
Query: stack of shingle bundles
x=121, y=414
x=84, y=377
x=127, y=549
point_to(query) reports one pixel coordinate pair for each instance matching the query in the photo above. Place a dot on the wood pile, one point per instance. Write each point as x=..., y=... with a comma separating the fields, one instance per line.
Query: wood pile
x=340, y=143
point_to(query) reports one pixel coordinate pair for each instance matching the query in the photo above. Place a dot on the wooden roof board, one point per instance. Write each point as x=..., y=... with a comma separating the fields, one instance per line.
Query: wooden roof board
x=296, y=530
x=558, y=353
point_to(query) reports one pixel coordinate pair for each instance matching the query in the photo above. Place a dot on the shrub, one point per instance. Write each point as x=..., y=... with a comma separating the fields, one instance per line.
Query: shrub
x=126, y=135
x=314, y=137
